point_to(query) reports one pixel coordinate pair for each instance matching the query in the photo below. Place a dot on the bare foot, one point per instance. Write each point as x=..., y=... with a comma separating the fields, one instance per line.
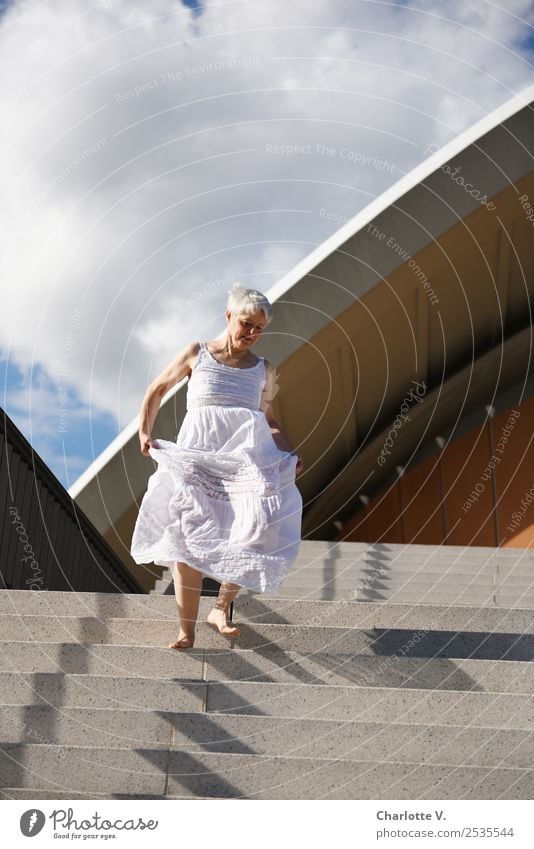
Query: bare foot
x=218, y=619
x=185, y=641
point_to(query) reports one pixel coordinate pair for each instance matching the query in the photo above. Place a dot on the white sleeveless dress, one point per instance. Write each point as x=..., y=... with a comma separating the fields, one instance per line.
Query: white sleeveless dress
x=223, y=498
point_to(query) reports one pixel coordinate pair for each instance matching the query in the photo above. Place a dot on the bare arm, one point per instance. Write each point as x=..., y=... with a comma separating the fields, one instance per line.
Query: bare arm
x=280, y=438
x=172, y=374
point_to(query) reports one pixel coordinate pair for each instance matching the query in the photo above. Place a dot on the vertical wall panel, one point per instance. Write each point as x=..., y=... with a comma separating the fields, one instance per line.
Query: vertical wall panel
x=515, y=475
x=383, y=521
x=422, y=519
x=463, y=464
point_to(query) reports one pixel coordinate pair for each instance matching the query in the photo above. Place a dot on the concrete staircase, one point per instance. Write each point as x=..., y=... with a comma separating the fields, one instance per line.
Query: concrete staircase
x=386, y=672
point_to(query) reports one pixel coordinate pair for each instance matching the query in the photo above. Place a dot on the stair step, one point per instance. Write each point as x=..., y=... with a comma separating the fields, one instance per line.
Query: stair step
x=100, y=659
x=332, y=589
x=366, y=640
x=514, y=590
x=413, y=580
x=356, y=741
x=387, y=641
x=59, y=725
x=344, y=703
x=417, y=584
x=194, y=774
x=96, y=630
x=385, y=550
x=255, y=608
x=409, y=558
x=443, y=674
x=516, y=576
x=492, y=597
x=407, y=563
x=273, y=736
x=30, y=793
x=58, y=714
x=139, y=676
x=56, y=690
x=95, y=605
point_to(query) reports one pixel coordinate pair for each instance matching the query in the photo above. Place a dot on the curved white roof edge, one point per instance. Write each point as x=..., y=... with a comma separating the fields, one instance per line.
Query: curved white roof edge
x=364, y=217
x=401, y=187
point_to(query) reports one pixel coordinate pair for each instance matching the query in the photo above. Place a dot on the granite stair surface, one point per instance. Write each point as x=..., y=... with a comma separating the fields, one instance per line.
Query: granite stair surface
x=378, y=672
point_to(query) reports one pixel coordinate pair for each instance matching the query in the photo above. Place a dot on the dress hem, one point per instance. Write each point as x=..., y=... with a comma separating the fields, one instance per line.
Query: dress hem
x=270, y=588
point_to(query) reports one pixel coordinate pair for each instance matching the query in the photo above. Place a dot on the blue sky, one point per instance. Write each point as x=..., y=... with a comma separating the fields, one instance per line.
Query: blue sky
x=156, y=153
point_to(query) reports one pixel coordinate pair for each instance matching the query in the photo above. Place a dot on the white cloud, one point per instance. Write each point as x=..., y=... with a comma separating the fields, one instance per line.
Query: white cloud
x=135, y=171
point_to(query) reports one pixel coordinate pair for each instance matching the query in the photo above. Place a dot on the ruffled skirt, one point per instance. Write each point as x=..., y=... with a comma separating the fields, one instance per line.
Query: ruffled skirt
x=223, y=499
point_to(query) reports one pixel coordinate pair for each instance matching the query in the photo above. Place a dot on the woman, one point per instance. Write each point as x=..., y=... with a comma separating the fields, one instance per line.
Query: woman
x=223, y=501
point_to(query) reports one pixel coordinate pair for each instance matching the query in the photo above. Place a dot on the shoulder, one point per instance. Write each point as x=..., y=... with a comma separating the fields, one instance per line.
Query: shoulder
x=270, y=374
x=192, y=350
x=190, y=353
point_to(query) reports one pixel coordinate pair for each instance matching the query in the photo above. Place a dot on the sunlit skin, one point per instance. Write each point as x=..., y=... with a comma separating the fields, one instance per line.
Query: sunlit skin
x=242, y=332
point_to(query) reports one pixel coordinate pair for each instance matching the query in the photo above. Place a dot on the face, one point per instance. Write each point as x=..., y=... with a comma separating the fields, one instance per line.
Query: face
x=246, y=328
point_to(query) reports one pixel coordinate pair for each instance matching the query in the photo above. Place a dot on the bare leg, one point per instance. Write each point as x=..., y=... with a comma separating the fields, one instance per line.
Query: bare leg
x=218, y=616
x=187, y=586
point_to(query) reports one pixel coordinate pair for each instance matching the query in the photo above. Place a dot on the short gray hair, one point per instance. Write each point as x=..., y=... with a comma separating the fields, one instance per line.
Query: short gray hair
x=247, y=301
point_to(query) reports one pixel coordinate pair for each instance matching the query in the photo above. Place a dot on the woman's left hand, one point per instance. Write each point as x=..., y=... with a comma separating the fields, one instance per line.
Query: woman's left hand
x=300, y=465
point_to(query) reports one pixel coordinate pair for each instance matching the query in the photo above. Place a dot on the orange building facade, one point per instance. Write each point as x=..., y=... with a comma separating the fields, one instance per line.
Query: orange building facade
x=478, y=489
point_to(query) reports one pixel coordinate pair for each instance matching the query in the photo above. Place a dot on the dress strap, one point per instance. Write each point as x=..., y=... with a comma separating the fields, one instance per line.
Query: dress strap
x=201, y=350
